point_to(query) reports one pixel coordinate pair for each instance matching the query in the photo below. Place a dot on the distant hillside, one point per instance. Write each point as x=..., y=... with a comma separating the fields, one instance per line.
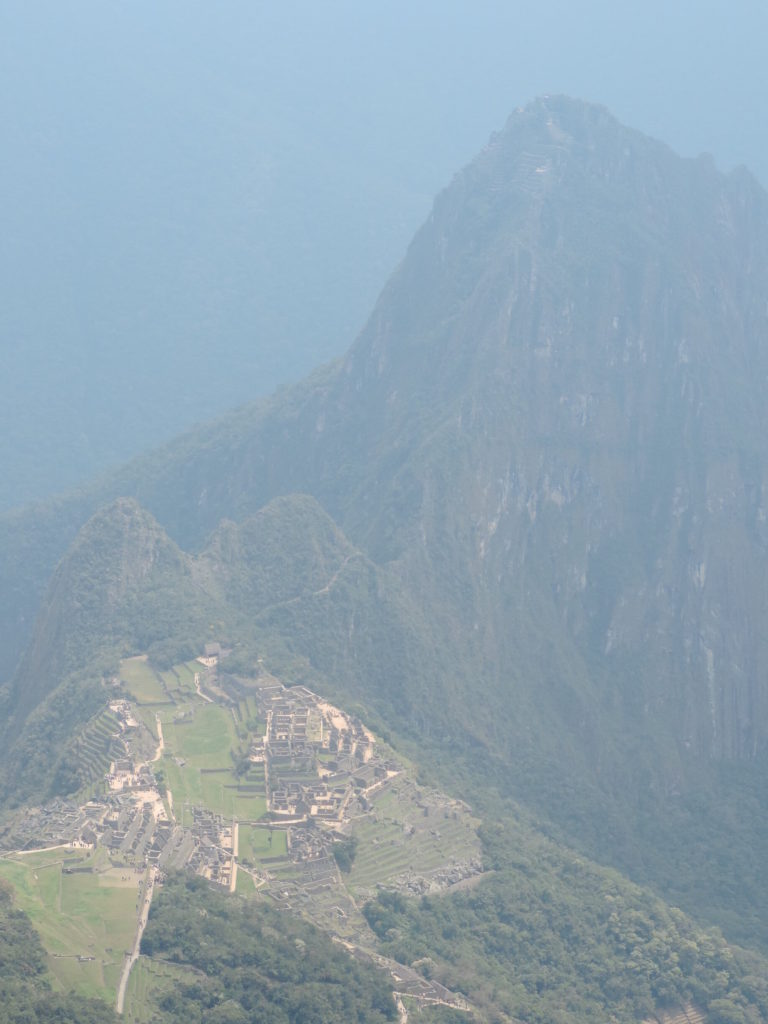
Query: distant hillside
x=284, y=582
x=547, y=455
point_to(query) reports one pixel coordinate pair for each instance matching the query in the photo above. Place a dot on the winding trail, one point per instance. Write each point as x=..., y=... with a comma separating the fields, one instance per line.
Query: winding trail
x=199, y=692
x=149, y=888
x=332, y=580
x=324, y=589
x=133, y=956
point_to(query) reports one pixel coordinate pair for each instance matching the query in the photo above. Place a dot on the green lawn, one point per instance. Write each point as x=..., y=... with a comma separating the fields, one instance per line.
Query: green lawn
x=180, y=680
x=38, y=886
x=220, y=794
x=245, y=885
x=254, y=843
x=171, y=684
x=148, y=686
x=205, y=740
x=77, y=914
x=250, y=808
x=186, y=674
x=216, y=795
x=141, y=680
x=215, y=790
x=147, y=716
x=247, y=708
x=57, y=855
x=249, y=713
x=184, y=783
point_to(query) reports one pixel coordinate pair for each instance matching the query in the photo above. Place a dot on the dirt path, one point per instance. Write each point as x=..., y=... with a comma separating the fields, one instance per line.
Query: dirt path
x=160, y=740
x=324, y=589
x=332, y=580
x=235, y=845
x=133, y=956
x=158, y=755
x=258, y=881
x=200, y=694
x=38, y=849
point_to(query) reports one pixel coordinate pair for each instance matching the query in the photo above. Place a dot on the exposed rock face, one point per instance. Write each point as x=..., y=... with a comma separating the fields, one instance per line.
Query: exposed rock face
x=553, y=432
x=561, y=397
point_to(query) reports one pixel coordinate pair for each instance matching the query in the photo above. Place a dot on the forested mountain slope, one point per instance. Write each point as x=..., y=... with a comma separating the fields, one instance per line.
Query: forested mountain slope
x=548, y=447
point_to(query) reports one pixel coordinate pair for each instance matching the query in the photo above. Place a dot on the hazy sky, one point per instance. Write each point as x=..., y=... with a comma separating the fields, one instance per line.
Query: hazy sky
x=201, y=200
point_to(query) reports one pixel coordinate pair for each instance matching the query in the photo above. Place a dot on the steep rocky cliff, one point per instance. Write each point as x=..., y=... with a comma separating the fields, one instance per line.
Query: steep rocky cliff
x=554, y=416
x=547, y=450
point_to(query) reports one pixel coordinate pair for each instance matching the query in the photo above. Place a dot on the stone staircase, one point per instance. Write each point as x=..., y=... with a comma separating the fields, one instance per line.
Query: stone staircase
x=689, y=1014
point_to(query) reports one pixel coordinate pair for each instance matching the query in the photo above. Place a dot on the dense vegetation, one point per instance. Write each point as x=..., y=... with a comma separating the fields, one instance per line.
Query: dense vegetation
x=551, y=938
x=254, y=963
x=535, y=544
x=42, y=761
x=285, y=583
x=26, y=996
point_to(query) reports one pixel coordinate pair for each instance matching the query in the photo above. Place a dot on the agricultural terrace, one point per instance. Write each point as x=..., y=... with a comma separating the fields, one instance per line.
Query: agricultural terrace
x=84, y=911
x=313, y=809
x=148, y=685
x=149, y=981
x=412, y=837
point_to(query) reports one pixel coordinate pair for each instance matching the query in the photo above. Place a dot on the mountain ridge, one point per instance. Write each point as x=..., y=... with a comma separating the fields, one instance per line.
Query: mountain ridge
x=548, y=445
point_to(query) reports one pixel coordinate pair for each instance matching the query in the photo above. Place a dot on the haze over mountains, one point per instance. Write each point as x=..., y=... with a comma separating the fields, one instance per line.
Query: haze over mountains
x=197, y=208
x=523, y=519
x=521, y=526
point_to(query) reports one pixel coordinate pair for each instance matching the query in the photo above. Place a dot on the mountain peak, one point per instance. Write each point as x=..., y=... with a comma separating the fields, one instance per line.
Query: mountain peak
x=564, y=205
x=547, y=449
x=561, y=113
x=90, y=603
x=571, y=358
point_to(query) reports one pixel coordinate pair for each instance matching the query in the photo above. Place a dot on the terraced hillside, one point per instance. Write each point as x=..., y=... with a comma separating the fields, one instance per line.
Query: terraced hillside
x=96, y=747
x=257, y=790
x=275, y=794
